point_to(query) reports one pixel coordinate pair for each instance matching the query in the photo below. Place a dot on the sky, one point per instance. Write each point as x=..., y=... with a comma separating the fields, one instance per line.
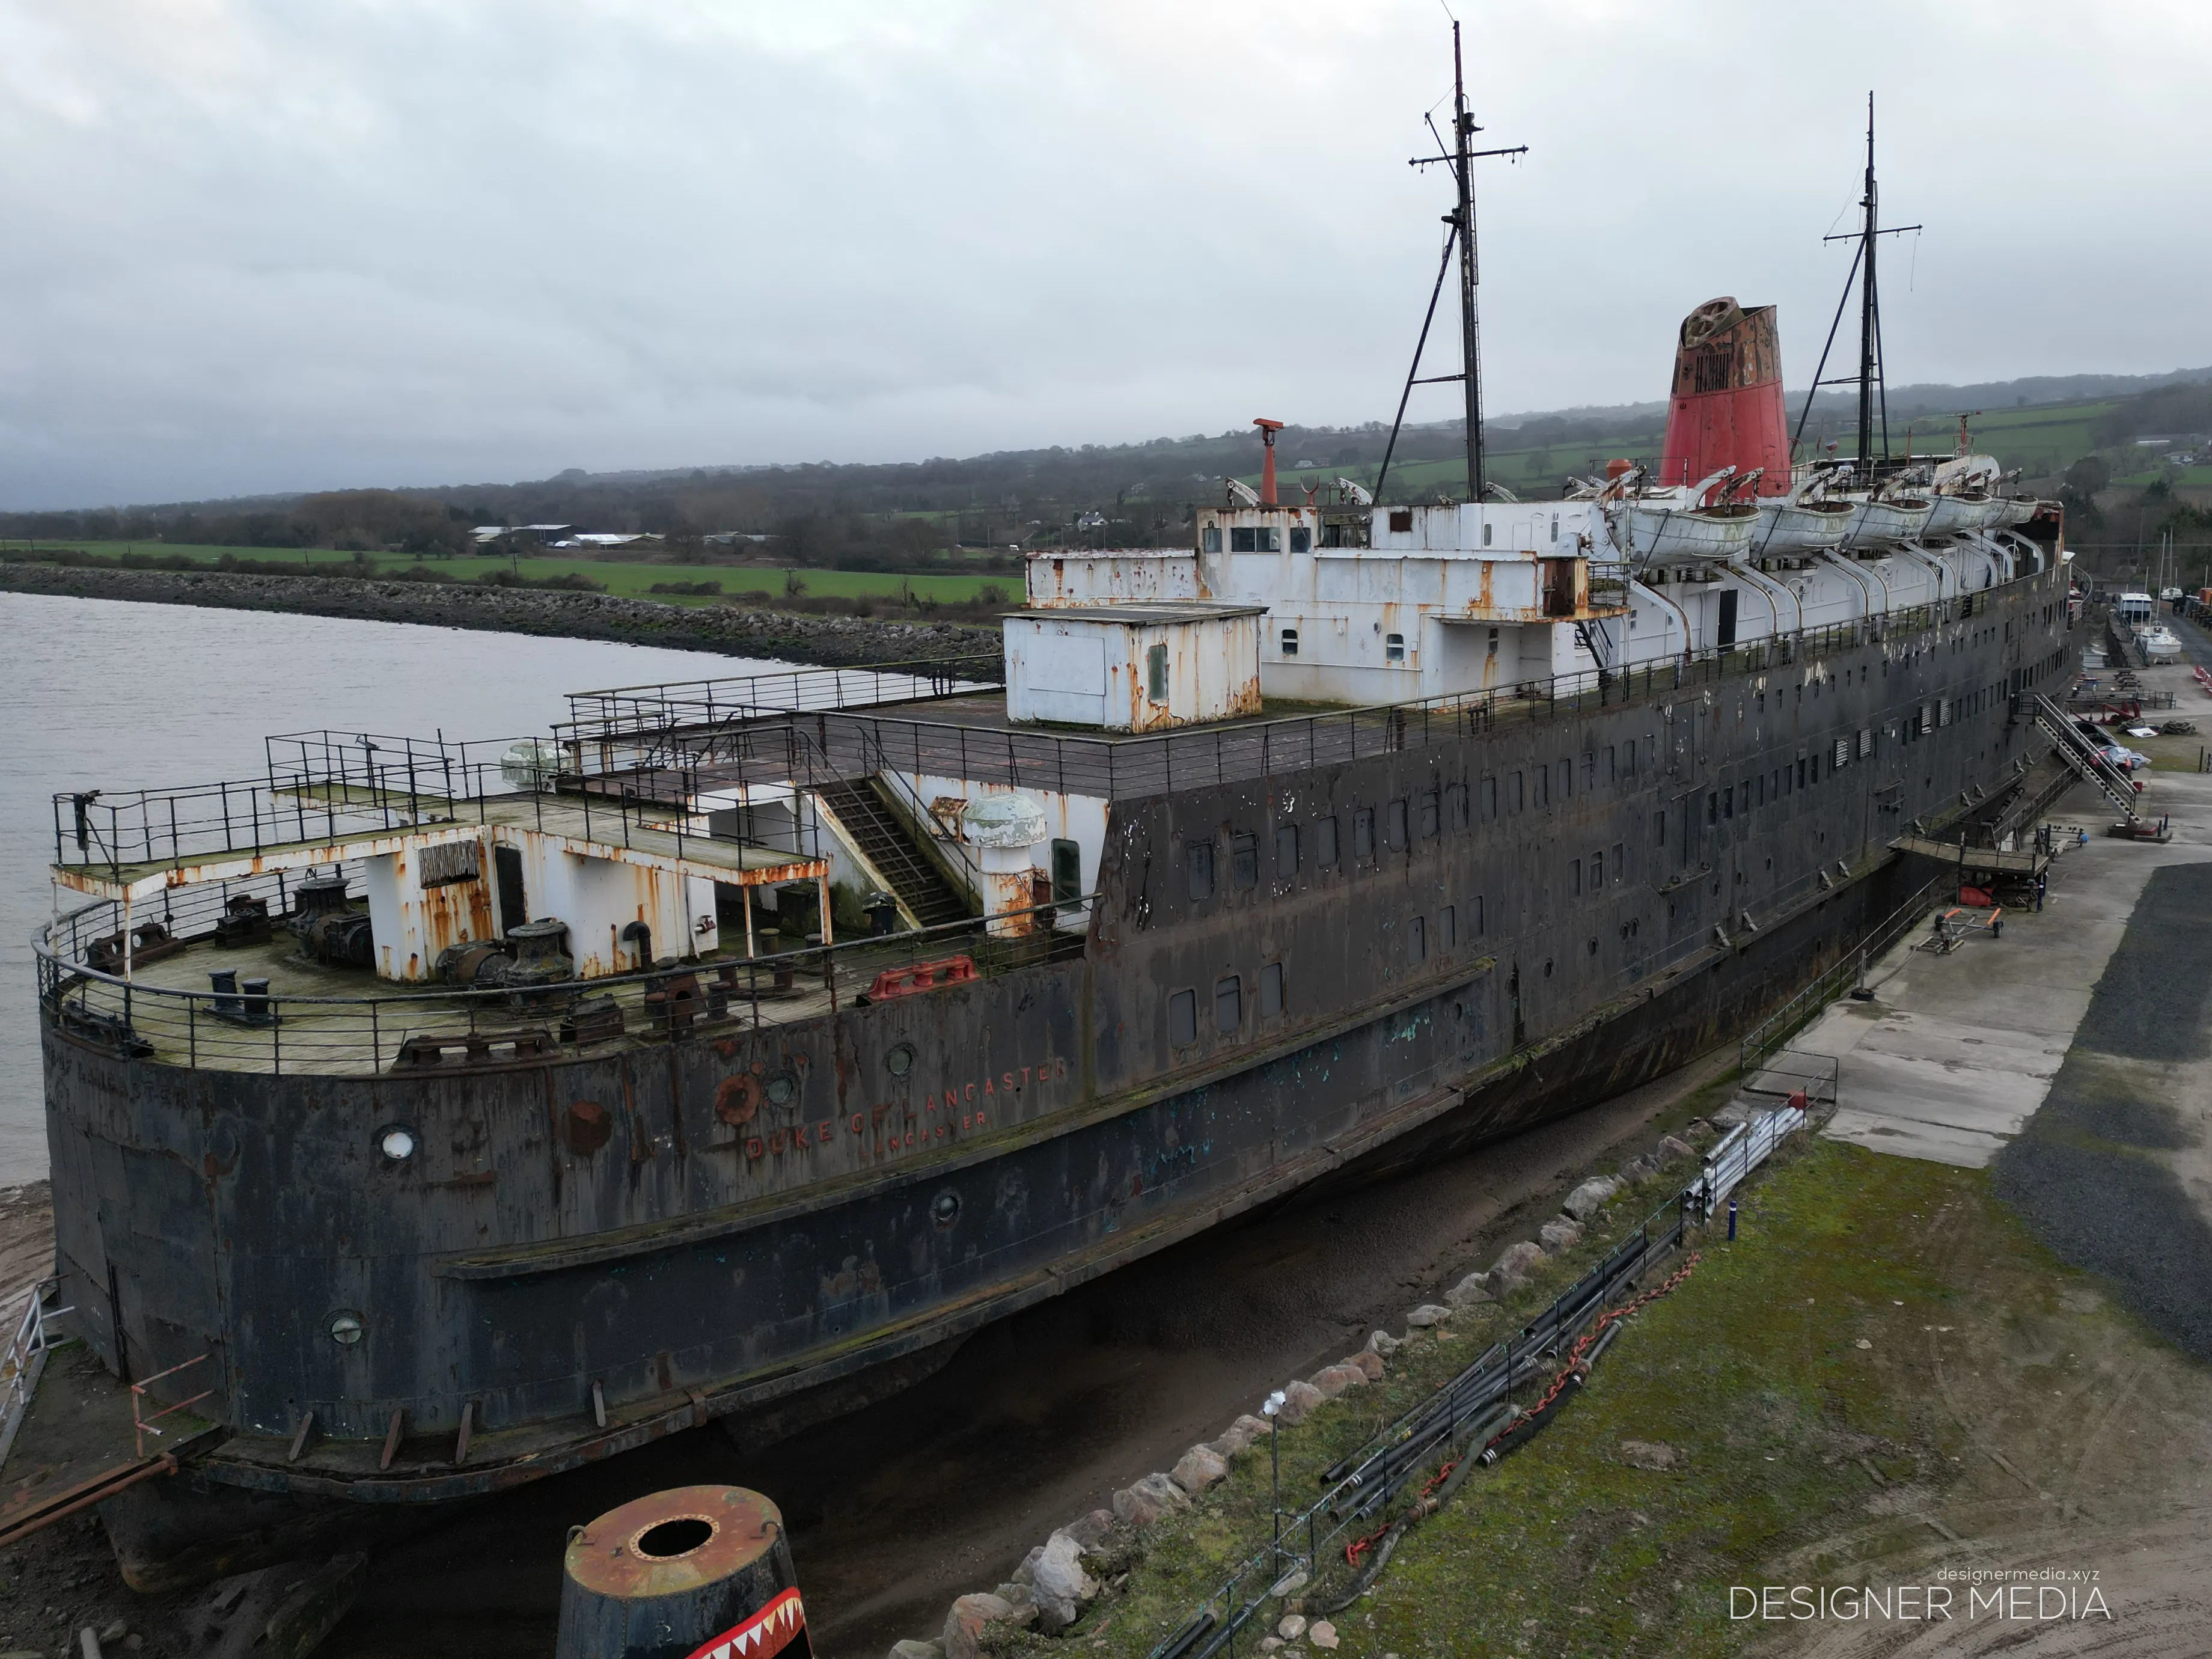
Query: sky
x=255, y=245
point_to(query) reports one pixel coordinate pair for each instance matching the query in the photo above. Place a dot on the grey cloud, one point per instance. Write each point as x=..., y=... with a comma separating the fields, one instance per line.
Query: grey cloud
x=257, y=246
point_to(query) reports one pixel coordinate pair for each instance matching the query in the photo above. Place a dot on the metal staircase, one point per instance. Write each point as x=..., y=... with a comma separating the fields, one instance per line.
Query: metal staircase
x=880, y=842
x=2084, y=756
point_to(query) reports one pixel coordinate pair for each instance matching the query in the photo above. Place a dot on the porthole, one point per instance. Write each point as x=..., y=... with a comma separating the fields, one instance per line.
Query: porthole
x=782, y=1089
x=396, y=1142
x=900, y=1060
x=945, y=1208
x=346, y=1327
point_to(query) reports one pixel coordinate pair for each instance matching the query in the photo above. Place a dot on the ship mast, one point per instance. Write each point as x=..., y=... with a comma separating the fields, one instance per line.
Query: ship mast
x=1869, y=323
x=1460, y=156
x=1874, y=391
x=1470, y=271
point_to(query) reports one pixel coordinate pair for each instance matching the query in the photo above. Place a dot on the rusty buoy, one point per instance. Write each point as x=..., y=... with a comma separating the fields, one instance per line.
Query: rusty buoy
x=695, y=1572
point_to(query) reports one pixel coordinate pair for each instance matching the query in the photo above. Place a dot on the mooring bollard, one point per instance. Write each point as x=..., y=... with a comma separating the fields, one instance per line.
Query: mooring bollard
x=695, y=1572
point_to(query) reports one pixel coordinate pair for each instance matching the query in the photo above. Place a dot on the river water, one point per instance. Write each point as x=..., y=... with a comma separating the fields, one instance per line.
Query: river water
x=113, y=695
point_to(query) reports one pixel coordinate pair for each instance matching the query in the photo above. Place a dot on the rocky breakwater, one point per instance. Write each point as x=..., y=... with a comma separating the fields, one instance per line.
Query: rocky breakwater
x=833, y=642
x=1087, y=1563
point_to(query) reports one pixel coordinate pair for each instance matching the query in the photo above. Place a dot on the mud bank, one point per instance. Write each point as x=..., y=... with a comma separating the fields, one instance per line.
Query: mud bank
x=833, y=641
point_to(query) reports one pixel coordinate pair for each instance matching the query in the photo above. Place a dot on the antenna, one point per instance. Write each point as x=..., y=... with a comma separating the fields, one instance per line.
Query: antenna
x=1460, y=157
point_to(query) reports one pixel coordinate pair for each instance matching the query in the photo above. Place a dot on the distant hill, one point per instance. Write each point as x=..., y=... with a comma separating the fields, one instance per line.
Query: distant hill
x=891, y=514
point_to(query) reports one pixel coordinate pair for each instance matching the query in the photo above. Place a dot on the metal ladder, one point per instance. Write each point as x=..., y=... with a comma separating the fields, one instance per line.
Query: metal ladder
x=2084, y=756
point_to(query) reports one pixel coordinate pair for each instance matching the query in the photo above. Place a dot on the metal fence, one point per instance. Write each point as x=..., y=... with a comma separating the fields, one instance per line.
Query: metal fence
x=28, y=1338
x=1771, y=1033
x=1455, y=1419
x=1469, y=1411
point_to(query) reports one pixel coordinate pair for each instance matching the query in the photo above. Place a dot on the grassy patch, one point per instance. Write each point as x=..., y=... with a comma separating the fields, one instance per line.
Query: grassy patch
x=1790, y=1433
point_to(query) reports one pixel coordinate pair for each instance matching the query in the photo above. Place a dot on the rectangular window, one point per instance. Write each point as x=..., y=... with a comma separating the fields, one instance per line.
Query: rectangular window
x=1362, y=835
x=1597, y=873
x=1287, y=851
x=1209, y=540
x=1228, y=1006
x=1393, y=821
x=1513, y=792
x=1448, y=926
x=1301, y=540
x=1431, y=814
x=1417, y=940
x=1401, y=519
x=1619, y=864
x=1455, y=799
x=1243, y=539
x=1476, y=916
x=1244, y=861
x=1566, y=780
x=1156, y=673
x=1490, y=800
x=1576, y=888
x=1198, y=868
x=1271, y=991
x=1658, y=829
x=1394, y=648
x=1542, y=776
x=1325, y=842
x=1182, y=1019
x=1066, y=872
x=1290, y=641
x=1612, y=762
x=1713, y=807
x=1727, y=800
x=1589, y=771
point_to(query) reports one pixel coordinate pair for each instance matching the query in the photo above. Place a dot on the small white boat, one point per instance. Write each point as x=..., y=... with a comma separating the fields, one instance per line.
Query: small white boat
x=2160, y=645
x=1649, y=529
x=1877, y=523
x=1957, y=513
x=1811, y=525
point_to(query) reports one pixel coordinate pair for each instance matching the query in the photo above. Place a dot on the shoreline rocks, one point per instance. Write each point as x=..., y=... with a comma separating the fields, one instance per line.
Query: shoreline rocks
x=789, y=636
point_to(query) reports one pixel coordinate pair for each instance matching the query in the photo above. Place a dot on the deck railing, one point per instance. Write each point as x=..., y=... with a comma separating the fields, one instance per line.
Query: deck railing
x=252, y=1027
x=852, y=744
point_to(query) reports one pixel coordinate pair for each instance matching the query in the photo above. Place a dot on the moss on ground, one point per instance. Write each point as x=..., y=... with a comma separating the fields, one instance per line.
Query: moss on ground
x=1790, y=1431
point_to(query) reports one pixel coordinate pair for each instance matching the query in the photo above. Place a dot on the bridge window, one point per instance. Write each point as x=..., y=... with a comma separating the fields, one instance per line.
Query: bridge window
x=1417, y=940
x=1271, y=991
x=1244, y=861
x=1256, y=539
x=1287, y=851
x=1301, y=540
x=1290, y=641
x=1362, y=835
x=1156, y=673
x=1401, y=518
x=1448, y=926
x=1395, y=826
x=1066, y=872
x=1325, y=842
x=1182, y=1019
x=1228, y=1006
x=1209, y=539
x=1198, y=869
x=1431, y=817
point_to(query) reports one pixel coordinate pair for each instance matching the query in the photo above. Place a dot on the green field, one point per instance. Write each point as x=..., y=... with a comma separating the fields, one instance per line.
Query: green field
x=629, y=579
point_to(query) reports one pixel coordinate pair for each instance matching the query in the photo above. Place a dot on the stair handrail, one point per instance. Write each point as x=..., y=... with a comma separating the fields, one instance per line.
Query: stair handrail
x=2084, y=757
x=950, y=848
